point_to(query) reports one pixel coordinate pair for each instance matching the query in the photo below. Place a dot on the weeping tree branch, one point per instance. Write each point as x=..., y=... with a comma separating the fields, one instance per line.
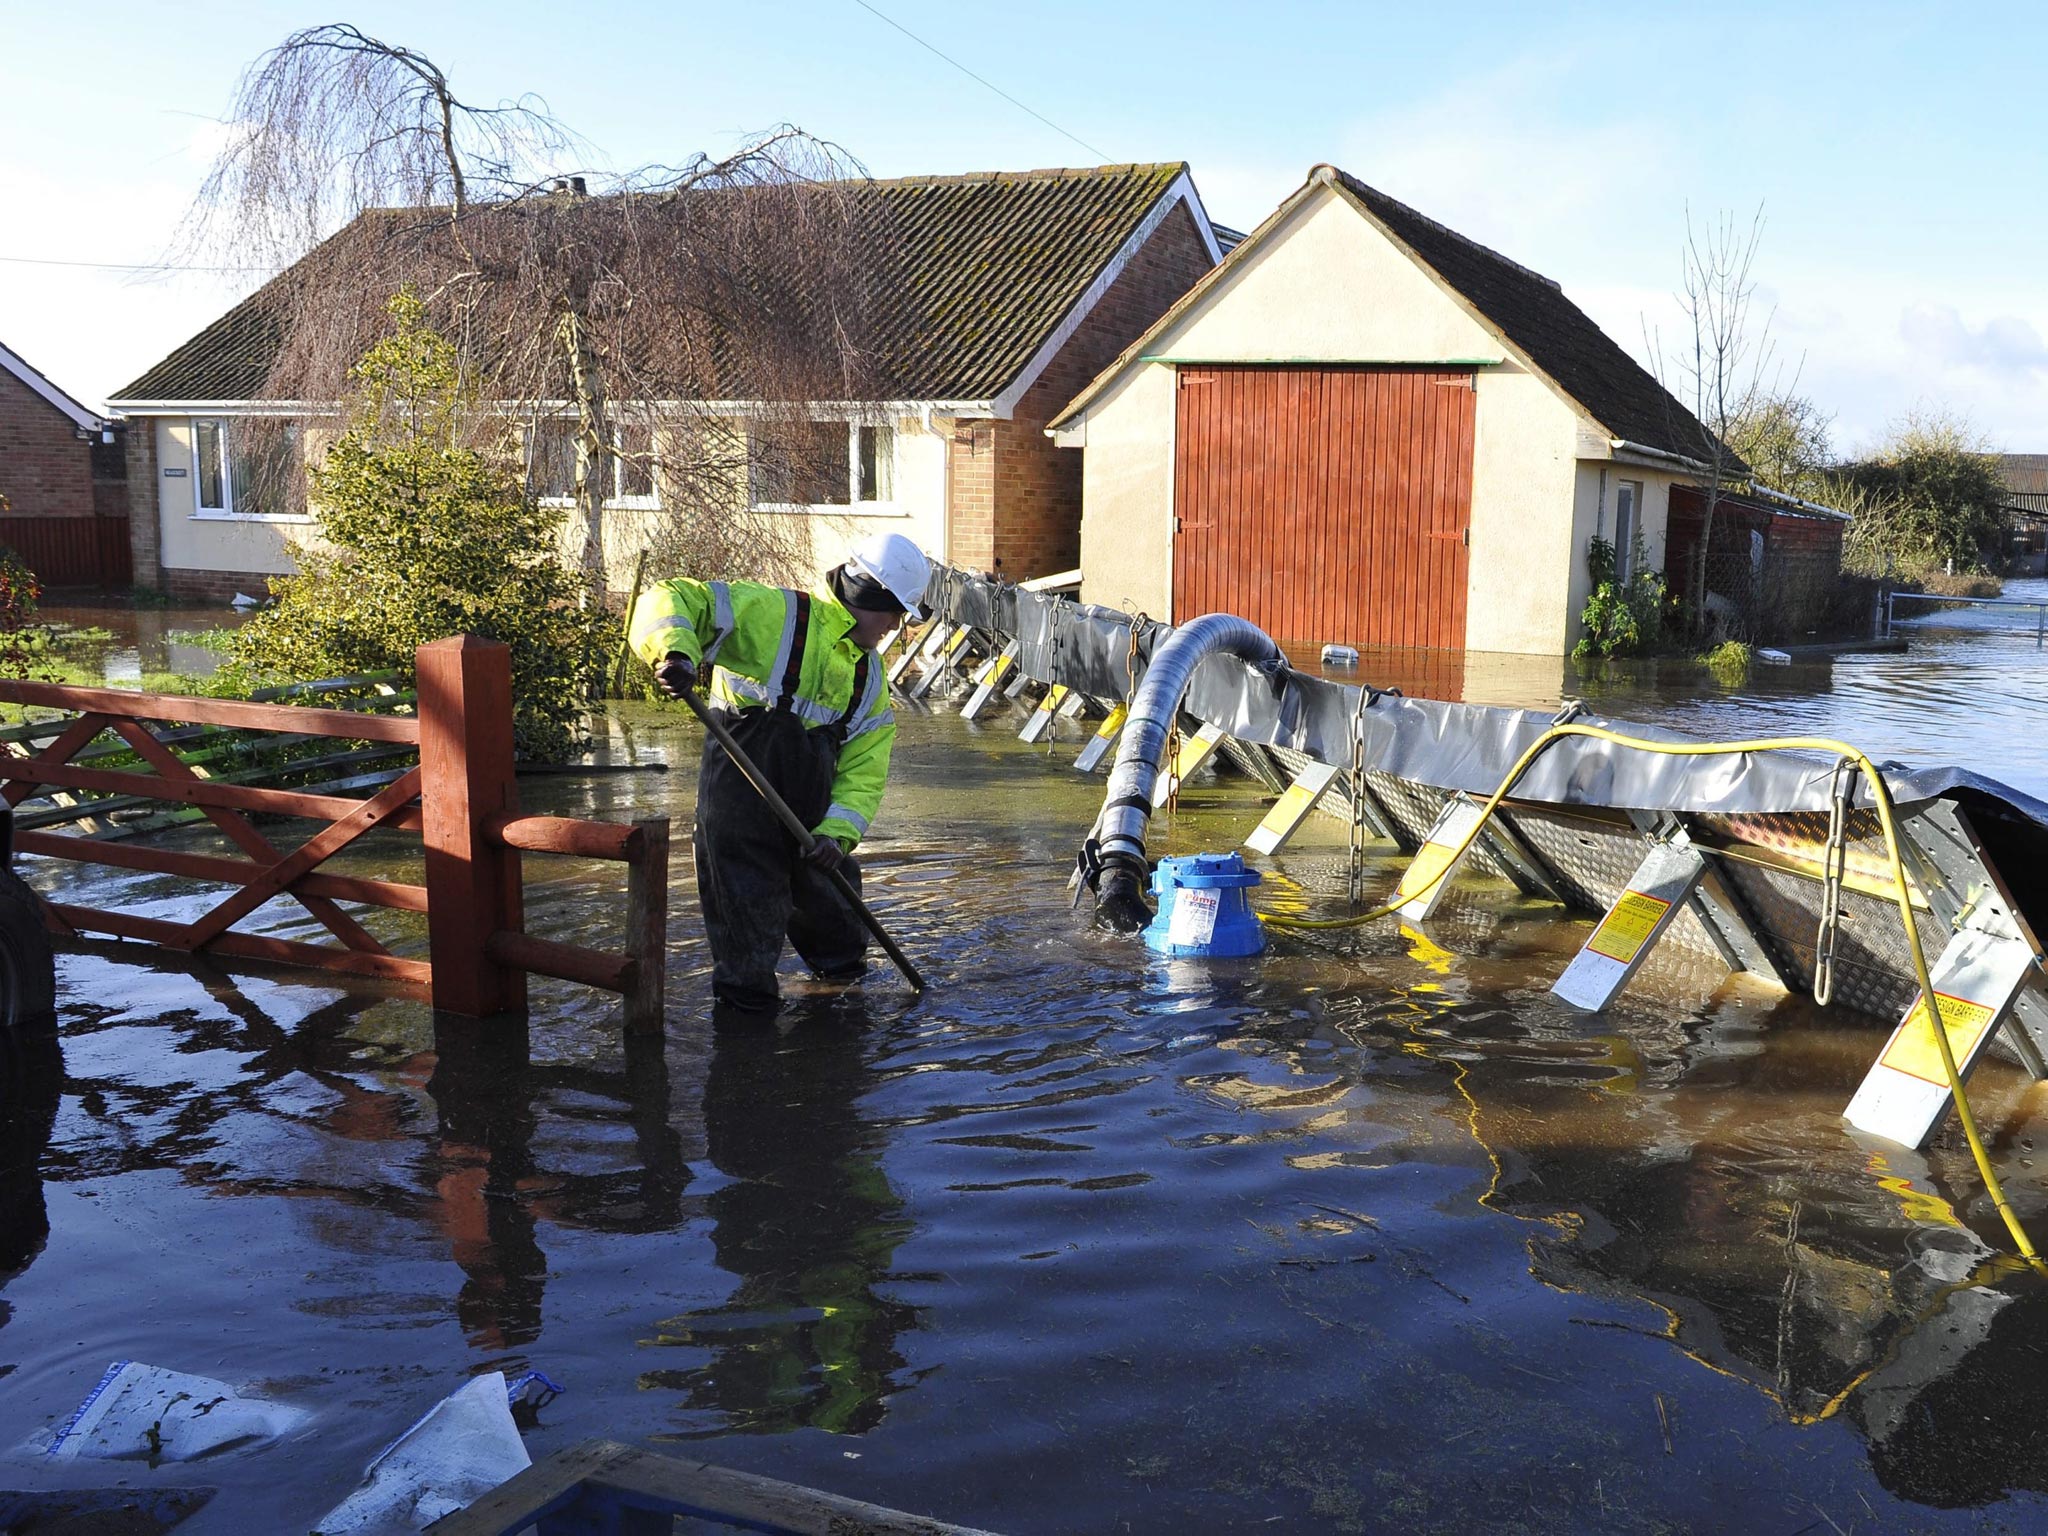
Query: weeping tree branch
x=353, y=164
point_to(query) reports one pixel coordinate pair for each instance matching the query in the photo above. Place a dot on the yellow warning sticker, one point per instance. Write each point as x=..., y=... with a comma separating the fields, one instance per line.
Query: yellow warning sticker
x=1913, y=1049
x=1430, y=861
x=1627, y=928
x=1293, y=801
x=1112, y=722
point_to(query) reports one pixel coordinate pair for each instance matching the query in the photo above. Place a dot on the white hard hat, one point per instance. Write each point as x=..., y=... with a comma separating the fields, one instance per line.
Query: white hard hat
x=897, y=564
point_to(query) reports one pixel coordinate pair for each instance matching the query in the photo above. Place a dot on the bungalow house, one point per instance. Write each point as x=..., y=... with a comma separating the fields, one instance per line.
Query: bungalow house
x=63, y=490
x=1009, y=291
x=1363, y=427
x=2025, y=503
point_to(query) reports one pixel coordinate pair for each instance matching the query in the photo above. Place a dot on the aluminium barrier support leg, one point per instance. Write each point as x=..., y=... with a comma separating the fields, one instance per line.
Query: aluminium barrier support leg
x=1057, y=698
x=1906, y=1092
x=1438, y=854
x=989, y=678
x=1720, y=908
x=927, y=646
x=1194, y=752
x=1294, y=807
x=1624, y=937
x=948, y=656
x=1104, y=738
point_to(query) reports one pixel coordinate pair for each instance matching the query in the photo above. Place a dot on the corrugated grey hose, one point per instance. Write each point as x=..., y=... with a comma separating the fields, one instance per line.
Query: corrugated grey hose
x=1119, y=833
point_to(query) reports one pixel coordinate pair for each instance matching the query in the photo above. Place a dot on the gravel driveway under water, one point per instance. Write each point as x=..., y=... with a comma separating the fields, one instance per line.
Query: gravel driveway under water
x=1362, y=1236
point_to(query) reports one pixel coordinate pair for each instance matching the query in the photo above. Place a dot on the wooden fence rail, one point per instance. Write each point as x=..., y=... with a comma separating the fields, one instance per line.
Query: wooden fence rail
x=462, y=798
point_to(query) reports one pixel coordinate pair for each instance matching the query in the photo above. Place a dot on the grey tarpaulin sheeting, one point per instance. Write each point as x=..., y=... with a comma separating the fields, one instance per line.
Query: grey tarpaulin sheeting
x=1449, y=746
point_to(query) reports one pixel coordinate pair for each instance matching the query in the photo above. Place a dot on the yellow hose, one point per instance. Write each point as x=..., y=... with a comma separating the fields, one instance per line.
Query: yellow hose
x=1879, y=795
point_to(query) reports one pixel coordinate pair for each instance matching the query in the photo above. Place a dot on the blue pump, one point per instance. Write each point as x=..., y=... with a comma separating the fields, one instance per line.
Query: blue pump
x=1205, y=908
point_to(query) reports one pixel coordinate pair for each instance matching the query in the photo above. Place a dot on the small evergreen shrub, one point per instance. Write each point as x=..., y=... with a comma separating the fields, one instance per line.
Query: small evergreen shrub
x=422, y=536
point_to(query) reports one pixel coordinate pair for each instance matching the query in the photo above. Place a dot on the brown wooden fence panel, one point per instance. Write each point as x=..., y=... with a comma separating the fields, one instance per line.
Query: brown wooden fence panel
x=72, y=551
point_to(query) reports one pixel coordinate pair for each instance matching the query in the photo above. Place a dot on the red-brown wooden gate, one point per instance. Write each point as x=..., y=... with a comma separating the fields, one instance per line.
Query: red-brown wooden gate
x=1325, y=503
x=462, y=799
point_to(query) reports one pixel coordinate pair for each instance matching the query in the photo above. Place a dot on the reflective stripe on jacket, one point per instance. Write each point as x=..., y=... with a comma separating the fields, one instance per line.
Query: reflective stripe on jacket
x=748, y=634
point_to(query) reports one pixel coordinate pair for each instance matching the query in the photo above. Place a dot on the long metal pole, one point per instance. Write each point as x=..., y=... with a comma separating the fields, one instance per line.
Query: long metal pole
x=800, y=832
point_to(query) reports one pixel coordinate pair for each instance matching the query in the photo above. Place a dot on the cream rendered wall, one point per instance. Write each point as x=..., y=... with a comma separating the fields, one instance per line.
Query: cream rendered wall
x=917, y=508
x=191, y=542
x=1127, y=495
x=1593, y=511
x=1327, y=286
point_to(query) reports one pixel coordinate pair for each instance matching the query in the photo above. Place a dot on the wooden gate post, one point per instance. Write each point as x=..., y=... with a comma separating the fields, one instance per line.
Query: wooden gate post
x=466, y=779
x=647, y=928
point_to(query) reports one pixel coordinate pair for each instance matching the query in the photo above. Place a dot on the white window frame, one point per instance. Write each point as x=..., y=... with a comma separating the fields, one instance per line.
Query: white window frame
x=652, y=500
x=885, y=470
x=226, y=512
x=1628, y=527
x=648, y=503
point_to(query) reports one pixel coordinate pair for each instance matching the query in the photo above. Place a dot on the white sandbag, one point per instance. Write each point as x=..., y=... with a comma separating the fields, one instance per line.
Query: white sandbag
x=143, y=1412
x=465, y=1445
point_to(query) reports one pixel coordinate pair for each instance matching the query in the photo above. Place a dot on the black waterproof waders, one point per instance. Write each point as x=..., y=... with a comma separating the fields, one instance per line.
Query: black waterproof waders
x=755, y=887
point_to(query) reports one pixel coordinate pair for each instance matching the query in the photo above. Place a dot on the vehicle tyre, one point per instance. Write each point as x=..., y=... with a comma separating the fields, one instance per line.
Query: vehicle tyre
x=28, y=967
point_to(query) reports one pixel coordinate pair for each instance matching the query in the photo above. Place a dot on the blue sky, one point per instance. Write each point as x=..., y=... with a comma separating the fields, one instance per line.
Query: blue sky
x=1899, y=152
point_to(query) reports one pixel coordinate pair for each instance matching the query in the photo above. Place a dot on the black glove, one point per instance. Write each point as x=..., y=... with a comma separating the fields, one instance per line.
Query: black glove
x=675, y=676
x=825, y=854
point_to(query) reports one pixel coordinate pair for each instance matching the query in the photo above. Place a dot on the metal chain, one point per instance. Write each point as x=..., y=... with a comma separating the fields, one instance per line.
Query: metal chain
x=1056, y=645
x=1355, y=883
x=1834, y=865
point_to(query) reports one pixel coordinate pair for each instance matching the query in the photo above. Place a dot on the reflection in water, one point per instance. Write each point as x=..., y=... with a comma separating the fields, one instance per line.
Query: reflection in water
x=491, y=1190
x=1685, y=1165
x=807, y=1228
x=31, y=1083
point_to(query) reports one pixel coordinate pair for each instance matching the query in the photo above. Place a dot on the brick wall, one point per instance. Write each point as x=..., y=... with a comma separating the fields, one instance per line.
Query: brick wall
x=970, y=494
x=193, y=586
x=1036, y=487
x=144, y=530
x=45, y=471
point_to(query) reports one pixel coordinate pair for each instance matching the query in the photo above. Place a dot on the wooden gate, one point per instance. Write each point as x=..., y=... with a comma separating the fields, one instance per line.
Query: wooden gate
x=462, y=798
x=1325, y=504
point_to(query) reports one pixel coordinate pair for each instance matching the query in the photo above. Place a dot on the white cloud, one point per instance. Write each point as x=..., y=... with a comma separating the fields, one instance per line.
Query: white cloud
x=2005, y=345
x=1494, y=157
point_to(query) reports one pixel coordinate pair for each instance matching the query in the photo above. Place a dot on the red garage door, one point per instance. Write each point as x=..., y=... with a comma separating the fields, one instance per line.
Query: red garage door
x=1325, y=503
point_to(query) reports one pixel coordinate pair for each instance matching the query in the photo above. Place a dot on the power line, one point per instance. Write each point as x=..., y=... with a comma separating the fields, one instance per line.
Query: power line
x=970, y=74
x=124, y=266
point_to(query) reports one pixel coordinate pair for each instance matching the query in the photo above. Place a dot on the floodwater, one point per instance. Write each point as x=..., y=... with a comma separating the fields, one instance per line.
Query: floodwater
x=1367, y=1235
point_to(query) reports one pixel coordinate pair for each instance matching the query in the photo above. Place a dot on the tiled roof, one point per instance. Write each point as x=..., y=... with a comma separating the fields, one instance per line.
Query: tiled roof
x=2025, y=474
x=982, y=269
x=1553, y=332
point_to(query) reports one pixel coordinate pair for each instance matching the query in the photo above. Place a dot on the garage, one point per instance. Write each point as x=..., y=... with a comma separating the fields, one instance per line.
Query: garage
x=1325, y=504
x=1364, y=427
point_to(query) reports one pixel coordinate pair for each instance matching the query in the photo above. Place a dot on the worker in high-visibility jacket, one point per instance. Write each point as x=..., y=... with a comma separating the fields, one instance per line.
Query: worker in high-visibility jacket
x=807, y=700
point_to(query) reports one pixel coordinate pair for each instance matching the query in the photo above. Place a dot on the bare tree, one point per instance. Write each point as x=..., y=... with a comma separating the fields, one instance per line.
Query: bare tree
x=1719, y=365
x=617, y=326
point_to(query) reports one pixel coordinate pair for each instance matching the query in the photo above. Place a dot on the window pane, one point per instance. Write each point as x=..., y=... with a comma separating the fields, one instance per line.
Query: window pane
x=822, y=474
x=877, y=463
x=264, y=469
x=770, y=481
x=636, y=460
x=553, y=472
x=1625, y=530
x=209, y=447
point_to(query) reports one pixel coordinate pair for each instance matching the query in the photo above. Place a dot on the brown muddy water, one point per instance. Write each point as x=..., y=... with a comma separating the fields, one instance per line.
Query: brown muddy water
x=1367, y=1235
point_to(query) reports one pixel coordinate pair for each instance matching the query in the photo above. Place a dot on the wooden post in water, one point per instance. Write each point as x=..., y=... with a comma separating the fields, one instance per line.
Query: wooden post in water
x=647, y=928
x=466, y=780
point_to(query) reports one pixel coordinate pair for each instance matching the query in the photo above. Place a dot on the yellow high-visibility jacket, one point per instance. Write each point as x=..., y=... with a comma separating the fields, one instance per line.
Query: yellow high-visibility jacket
x=749, y=633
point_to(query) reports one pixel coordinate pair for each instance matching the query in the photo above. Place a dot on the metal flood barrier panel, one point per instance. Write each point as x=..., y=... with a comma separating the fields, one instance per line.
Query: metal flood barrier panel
x=1584, y=817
